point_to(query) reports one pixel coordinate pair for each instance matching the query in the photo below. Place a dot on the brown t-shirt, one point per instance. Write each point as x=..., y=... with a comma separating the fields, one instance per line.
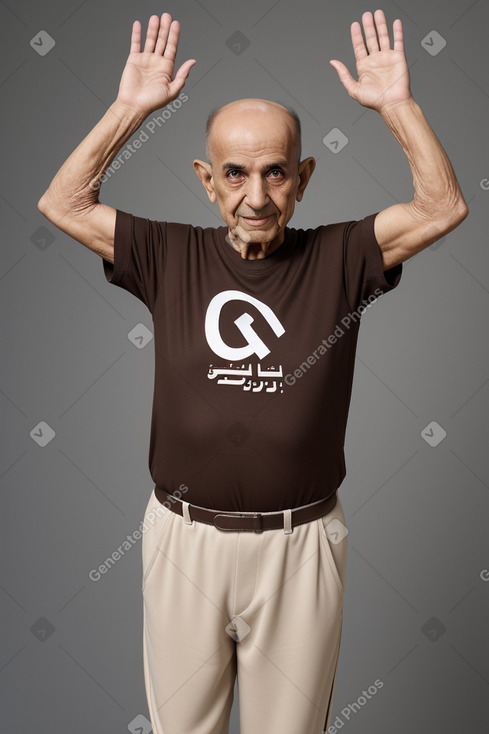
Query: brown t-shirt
x=254, y=359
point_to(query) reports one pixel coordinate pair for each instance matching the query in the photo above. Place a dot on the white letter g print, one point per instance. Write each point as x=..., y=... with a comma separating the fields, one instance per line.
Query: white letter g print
x=254, y=344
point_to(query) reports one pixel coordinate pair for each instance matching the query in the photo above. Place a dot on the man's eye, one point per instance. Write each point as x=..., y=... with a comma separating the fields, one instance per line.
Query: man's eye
x=235, y=173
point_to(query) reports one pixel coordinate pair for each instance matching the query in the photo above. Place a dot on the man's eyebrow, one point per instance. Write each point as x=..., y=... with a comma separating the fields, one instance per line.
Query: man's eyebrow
x=240, y=167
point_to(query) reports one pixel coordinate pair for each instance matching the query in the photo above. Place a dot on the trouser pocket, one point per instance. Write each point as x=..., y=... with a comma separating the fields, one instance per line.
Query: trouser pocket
x=155, y=522
x=334, y=541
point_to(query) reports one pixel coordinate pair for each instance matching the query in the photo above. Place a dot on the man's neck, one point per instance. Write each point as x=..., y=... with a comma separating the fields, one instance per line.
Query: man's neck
x=253, y=250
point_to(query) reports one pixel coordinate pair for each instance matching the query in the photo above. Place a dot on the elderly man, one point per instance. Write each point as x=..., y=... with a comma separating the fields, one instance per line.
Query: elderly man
x=255, y=328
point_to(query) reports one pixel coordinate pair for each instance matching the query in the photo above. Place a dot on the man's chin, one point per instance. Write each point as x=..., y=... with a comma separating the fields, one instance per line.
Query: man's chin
x=238, y=235
x=254, y=233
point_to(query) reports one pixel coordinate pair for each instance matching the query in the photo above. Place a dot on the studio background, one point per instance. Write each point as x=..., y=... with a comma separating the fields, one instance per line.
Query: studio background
x=417, y=597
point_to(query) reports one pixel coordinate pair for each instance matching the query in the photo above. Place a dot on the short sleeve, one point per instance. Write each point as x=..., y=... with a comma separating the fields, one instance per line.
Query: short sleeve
x=139, y=255
x=362, y=257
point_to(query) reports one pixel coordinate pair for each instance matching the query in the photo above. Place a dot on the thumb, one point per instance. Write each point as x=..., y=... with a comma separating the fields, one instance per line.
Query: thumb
x=181, y=76
x=345, y=77
x=183, y=71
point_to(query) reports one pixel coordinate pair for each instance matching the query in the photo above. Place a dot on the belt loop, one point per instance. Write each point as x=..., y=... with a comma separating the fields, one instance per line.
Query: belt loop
x=186, y=513
x=287, y=521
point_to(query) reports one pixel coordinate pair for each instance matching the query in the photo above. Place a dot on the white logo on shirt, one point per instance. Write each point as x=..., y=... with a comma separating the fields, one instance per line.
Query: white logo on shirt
x=254, y=344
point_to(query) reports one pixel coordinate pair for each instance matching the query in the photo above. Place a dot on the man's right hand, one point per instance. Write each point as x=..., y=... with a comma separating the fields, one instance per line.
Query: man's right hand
x=71, y=201
x=146, y=82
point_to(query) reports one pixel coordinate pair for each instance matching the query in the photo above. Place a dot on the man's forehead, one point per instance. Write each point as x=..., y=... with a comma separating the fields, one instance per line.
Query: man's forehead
x=252, y=136
x=245, y=143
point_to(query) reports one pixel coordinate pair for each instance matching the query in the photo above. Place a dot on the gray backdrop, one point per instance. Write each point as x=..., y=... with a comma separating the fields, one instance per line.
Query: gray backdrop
x=76, y=391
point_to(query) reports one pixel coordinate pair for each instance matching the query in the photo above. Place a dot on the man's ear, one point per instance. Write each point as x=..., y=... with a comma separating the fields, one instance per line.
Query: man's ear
x=306, y=168
x=204, y=172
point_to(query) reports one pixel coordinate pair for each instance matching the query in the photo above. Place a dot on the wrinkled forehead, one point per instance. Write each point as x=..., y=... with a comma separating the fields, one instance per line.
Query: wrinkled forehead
x=252, y=134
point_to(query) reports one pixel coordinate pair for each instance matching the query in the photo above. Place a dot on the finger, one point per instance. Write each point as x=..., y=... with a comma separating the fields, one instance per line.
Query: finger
x=181, y=76
x=153, y=24
x=172, y=43
x=370, y=34
x=382, y=30
x=136, y=37
x=163, y=33
x=357, y=41
x=183, y=71
x=345, y=77
x=398, y=35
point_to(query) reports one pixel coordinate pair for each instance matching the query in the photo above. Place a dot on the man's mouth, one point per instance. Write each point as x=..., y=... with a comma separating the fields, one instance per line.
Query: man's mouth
x=255, y=221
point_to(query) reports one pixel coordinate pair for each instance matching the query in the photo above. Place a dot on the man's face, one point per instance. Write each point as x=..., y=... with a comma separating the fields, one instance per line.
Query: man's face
x=254, y=175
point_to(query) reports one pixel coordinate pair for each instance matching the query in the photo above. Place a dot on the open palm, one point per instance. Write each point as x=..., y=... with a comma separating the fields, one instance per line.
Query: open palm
x=383, y=75
x=146, y=81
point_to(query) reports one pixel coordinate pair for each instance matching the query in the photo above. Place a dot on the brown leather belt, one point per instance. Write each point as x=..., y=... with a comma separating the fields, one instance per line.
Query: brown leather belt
x=256, y=521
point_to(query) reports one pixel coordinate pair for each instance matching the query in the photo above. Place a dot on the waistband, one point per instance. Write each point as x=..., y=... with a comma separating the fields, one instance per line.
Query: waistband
x=254, y=521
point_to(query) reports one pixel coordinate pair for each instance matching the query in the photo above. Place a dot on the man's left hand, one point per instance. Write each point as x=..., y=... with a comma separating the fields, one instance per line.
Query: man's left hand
x=383, y=75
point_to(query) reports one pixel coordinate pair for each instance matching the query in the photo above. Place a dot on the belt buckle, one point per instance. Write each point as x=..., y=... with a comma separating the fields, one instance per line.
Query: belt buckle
x=255, y=516
x=257, y=520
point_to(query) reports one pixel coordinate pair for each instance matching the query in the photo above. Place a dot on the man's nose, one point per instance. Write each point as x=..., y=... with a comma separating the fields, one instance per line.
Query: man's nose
x=256, y=193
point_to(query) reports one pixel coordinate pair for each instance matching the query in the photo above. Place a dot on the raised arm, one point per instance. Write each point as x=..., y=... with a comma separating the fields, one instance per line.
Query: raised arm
x=438, y=205
x=72, y=200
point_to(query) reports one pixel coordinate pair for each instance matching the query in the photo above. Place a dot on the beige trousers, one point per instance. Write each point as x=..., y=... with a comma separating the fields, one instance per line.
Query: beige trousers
x=267, y=607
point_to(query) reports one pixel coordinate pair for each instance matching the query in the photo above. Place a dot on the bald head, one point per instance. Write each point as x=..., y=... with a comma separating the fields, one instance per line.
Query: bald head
x=252, y=112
